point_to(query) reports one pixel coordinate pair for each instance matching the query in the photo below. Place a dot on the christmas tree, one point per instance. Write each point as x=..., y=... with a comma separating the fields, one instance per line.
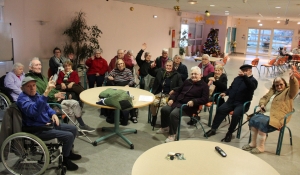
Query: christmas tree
x=211, y=46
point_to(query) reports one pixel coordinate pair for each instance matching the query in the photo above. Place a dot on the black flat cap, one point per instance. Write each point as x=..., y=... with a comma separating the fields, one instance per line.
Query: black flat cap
x=246, y=66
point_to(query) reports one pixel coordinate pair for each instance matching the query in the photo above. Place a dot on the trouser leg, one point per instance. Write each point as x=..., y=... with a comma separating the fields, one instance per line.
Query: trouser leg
x=165, y=116
x=221, y=113
x=64, y=133
x=92, y=80
x=235, y=118
x=99, y=80
x=72, y=108
x=174, y=121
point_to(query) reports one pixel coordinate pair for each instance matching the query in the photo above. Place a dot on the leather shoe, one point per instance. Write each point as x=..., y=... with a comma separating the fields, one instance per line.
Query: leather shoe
x=69, y=164
x=228, y=137
x=74, y=156
x=210, y=133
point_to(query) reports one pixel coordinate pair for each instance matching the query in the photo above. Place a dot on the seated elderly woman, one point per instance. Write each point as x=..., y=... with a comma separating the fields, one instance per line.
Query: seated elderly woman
x=274, y=106
x=180, y=68
x=206, y=66
x=68, y=80
x=121, y=76
x=165, y=83
x=193, y=92
x=13, y=80
x=219, y=80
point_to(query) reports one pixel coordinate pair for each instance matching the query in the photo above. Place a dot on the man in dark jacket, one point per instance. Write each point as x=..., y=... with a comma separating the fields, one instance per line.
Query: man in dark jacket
x=162, y=60
x=193, y=92
x=241, y=90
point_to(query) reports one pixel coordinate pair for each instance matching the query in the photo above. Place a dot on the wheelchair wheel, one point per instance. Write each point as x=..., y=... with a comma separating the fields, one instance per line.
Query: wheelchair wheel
x=24, y=153
x=4, y=101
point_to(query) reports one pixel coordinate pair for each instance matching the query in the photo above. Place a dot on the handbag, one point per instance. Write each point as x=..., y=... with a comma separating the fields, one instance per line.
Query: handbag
x=161, y=100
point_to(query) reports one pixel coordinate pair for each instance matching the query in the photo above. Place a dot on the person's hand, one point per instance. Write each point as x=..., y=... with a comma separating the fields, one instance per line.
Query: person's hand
x=153, y=65
x=60, y=95
x=92, y=57
x=110, y=78
x=190, y=104
x=51, y=84
x=210, y=83
x=144, y=46
x=170, y=102
x=262, y=108
x=70, y=85
x=241, y=73
x=126, y=85
x=292, y=74
x=222, y=95
x=63, y=86
x=211, y=79
x=171, y=92
x=55, y=119
x=70, y=96
x=97, y=74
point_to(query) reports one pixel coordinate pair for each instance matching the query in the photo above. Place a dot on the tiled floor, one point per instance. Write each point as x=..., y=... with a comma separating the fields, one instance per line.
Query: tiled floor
x=113, y=156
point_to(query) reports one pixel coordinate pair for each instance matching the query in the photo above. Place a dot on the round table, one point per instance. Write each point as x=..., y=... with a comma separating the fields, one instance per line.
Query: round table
x=201, y=158
x=91, y=96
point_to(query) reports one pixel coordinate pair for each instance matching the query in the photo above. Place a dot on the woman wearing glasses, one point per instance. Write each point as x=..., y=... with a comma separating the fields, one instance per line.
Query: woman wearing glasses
x=274, y=106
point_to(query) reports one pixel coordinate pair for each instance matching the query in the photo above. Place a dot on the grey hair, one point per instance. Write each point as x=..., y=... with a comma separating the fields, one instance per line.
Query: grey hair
x=176, y=56
x=97, y=50
x=120, y=50
x=196, y=68
x=164, y=50
x=206, y=56
x=17, y=65
x=130, y=51
x=35, y=58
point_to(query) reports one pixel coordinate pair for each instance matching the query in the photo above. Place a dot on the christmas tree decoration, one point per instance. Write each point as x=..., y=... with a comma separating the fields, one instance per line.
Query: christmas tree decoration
x=211, y=46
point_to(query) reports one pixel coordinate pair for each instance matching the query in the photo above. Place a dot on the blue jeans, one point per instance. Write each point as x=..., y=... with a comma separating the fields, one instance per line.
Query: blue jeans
x=93, y=78
x=223, y=111
x=64, y=133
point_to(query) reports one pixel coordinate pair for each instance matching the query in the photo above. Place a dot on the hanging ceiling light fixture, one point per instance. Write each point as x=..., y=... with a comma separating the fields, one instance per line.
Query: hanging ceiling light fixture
x=207, y=13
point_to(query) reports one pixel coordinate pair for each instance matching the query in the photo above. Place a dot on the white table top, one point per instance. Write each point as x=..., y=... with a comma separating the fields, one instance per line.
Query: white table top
x=201, y=158
x=91, y=96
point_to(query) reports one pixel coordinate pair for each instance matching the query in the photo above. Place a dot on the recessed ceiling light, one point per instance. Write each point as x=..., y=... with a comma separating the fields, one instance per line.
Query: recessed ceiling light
x=260, y=24
x=154, y=16
x=278, y=21
x=298, y=23
x=278, y=17
x=226, y=11
x=212, y=5
x=192, y=2
x=258, y=20
x=278, y=7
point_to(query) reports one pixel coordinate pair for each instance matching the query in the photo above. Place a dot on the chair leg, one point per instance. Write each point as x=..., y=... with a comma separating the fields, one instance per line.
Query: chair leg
x=291, y=138
x=280, y=138
x=203, y=129
x=258, y=71
x=149, y=115
x=210, y=115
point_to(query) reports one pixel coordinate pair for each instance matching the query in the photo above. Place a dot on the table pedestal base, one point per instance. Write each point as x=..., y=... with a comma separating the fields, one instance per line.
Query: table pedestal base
x=116, y=131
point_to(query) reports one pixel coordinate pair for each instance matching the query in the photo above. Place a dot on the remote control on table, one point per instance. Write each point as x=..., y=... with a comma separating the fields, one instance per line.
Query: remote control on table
x=220, y=151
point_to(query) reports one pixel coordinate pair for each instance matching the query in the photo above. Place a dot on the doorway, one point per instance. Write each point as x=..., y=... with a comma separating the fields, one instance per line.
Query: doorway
x=259, y=41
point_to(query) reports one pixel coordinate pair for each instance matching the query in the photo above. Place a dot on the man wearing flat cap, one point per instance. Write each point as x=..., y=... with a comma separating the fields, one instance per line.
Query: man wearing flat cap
x=240, y=91
x=37, y=113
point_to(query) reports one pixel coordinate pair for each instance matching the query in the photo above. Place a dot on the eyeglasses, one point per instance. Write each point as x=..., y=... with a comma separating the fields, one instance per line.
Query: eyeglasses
x=277, y=85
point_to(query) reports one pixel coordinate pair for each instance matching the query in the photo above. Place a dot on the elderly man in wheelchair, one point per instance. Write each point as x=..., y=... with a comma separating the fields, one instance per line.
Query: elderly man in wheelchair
x=40, y=120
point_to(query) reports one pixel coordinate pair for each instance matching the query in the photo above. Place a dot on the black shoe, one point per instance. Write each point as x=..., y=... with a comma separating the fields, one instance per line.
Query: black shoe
x=194, y=120
x=110, y=120
x=210, y=133
x=69, y=164
x=228, y=137
x=134, y=119
x=74, y=156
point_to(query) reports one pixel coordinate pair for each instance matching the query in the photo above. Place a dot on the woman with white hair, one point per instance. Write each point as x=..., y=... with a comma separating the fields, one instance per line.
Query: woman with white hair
x=206, y=66
x=13, y=80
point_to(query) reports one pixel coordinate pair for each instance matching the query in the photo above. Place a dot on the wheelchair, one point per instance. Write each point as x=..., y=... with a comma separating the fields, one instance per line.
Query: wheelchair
x=25, y=153
x=5, y=97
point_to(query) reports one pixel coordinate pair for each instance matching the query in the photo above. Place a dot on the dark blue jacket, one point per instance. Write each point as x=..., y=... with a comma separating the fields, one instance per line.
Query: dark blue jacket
x=241, y=89
x=34, y=109
x=182, y=69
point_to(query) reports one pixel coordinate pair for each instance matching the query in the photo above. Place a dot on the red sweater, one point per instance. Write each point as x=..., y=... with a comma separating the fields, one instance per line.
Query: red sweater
x=98, y=65
x=126, y=59
x=73, y=77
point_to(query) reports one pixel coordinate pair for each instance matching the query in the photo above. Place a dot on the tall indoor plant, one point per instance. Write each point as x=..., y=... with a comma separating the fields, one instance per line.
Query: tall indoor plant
x=183, y=42
x=83, y=39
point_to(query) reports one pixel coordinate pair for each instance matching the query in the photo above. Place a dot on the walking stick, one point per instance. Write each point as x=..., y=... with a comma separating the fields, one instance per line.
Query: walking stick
x=154, y=118
x=248, y=118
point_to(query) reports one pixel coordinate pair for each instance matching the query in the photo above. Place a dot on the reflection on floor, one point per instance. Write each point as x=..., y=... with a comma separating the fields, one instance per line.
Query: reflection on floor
x=113, y=156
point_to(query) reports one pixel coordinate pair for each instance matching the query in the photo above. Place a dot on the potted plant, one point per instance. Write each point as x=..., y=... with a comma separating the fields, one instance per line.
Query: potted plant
x=183, y=42
x=83, y=39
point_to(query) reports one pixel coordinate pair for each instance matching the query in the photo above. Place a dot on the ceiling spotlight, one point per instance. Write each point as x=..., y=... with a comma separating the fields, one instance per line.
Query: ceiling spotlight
x=278, y=22
x=298, y=23
x=258, y=20
x=207, y=13
x=192, y=2
x=176, y=8
x=260, y=24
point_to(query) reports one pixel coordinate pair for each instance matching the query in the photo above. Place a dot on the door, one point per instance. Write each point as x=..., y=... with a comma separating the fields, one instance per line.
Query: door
x=259, y=41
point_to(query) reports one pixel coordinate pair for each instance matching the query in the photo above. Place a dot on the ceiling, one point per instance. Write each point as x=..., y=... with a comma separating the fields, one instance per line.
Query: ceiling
x=245, y=9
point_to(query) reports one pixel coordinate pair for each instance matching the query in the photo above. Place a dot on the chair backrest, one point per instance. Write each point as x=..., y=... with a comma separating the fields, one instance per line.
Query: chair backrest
x=271, y=62
x=255, y=62
x=225, y=59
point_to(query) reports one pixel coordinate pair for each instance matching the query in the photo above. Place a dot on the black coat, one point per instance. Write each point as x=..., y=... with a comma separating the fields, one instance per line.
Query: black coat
x=175, y=78
x=221, y=84
x=144, y=65
x=189, y=91
x=242, y=89
x=182, y=69
x=158, y=62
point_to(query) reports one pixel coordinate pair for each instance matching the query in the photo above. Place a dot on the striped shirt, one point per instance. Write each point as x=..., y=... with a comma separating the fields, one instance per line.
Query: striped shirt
x=124, y=75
